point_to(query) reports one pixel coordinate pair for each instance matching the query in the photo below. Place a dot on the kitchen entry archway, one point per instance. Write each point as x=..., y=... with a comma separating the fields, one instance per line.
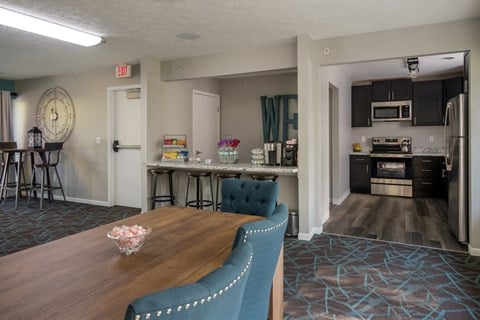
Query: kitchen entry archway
x=205, y=124
x=125, y=145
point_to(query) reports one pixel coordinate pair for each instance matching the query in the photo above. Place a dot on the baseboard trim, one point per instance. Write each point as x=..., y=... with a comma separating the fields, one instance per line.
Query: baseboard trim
x=338, y=201
x=308, y=236
x=81, y=200
x=474, y=251
x=305, y=236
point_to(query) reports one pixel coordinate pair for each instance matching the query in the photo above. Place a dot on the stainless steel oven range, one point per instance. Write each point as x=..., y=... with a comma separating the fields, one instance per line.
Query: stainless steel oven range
x=391, y=160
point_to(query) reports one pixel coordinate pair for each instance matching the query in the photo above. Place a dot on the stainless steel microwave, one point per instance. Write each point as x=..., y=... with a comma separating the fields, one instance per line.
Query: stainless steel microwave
x=392, y=110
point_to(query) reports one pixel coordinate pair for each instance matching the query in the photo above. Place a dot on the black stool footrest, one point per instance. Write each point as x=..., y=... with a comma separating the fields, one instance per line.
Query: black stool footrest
x=165, y=197
x=199, y=202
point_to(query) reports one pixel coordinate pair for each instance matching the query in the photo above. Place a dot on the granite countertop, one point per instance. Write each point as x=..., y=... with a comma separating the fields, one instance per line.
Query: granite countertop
x=416, y=151
x=434, y=152
x=237, y=167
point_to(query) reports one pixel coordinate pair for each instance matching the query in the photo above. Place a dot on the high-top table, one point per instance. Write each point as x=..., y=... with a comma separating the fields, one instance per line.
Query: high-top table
x=83, y=276
x=10, y=153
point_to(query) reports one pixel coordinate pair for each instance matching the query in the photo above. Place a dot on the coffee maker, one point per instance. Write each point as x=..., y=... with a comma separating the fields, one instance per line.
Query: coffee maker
x=273, y=153
x=290, y=151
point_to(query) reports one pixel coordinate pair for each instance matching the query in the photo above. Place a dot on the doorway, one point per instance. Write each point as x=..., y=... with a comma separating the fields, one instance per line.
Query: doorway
x=333, y=142
x=206, y=124
x=125, y=112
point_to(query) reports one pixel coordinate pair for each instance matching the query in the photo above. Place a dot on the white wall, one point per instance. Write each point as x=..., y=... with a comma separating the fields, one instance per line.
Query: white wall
x=239, y=62
x=83, y=168
x=313, y=113
x=339, y=77
x=423, y=40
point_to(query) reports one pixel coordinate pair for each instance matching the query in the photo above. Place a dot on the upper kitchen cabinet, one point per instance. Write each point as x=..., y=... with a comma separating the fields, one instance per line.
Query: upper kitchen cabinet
x=451, y=88
x=392, y=90
x=361, y=106
x=428, y=103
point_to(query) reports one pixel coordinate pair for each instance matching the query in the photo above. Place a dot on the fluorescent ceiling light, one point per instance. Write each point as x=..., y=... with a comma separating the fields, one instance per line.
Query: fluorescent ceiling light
x=49, y=29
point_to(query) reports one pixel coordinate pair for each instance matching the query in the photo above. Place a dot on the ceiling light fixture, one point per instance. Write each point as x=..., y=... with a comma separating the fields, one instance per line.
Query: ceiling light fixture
x=412, y=64
x=48, y=29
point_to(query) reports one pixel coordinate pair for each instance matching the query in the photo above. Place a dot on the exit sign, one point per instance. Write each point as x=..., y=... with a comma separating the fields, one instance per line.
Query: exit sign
x=123, y=71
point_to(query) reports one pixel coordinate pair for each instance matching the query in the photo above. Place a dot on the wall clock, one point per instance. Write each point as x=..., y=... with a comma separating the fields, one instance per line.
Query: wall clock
x=55, y=115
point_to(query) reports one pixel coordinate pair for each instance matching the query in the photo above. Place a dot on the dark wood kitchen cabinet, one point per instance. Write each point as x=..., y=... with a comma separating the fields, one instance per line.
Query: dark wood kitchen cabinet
x=428, y=180
x=427, y=103
x=359, y=174
x=392, y=90
x=451, y=88
x=361, y=106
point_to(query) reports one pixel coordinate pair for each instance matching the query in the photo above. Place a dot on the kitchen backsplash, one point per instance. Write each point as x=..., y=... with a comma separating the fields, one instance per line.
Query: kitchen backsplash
x=427, y=137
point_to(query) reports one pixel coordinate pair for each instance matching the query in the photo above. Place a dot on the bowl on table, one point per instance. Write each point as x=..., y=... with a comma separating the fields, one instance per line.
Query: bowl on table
x=129, y=239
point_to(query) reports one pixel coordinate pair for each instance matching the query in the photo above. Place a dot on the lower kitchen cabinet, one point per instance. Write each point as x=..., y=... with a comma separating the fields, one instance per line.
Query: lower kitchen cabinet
x=359, y=174
x=428, y=181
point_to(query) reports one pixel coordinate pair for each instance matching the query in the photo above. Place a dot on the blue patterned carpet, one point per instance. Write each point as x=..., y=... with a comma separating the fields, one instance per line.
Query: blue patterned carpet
x=27, y=227
x=329, y=277
x=340, y=277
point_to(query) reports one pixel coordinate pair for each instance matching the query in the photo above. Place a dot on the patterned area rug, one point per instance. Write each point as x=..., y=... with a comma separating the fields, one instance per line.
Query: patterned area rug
x=27, y=227
x=341, y=277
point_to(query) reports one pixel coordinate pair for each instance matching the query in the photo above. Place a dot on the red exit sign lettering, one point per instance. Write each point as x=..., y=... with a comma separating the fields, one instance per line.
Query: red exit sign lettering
x=123, y=71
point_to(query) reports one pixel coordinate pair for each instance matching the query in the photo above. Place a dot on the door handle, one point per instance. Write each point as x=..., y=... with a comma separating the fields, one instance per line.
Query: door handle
x=117, y=146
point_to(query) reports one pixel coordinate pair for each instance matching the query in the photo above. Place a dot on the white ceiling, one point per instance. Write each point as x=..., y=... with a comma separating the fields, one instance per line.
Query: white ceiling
x=134, y=29
x=429, y=66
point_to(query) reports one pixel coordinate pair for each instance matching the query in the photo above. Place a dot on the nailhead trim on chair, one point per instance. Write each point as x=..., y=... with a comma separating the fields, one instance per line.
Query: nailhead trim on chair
x=264, y=230
x=196, y=302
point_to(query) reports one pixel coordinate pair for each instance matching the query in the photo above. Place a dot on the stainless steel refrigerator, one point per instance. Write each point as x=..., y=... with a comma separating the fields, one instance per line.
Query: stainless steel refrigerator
x=456, y=159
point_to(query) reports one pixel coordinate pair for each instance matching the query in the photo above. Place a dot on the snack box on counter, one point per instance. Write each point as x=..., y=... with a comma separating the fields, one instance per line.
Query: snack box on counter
x=181, y=155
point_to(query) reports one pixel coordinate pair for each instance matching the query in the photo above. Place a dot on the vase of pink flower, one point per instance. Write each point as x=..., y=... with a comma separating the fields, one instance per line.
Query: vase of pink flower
x=227, y=150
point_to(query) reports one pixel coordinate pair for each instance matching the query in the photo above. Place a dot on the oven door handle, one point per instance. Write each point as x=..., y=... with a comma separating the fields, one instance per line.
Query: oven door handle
x=390, y=155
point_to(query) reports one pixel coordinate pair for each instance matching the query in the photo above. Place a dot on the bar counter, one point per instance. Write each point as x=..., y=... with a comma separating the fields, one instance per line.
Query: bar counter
x=245, y=167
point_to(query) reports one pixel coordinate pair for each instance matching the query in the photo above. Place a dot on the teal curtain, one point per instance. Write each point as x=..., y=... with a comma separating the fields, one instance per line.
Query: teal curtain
x=6, y=130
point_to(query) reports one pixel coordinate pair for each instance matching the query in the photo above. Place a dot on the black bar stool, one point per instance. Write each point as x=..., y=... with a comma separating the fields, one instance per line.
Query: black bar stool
x=199, y=202
x=264, y=177
x=220, y=177
x=164, y=197
x=48, y=159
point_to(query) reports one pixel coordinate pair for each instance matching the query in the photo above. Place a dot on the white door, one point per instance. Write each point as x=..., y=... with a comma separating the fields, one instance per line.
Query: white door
x=126, y=161
x=206, y=124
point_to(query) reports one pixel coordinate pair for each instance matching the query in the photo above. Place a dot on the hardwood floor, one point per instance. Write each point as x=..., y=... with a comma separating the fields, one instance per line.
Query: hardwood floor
x=404, y=220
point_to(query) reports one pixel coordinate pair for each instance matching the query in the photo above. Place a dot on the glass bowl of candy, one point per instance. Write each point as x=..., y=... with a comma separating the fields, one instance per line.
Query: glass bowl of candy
x=129, y=239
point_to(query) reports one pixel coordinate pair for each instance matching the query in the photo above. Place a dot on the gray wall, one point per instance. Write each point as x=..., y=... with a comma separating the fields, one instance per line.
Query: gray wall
x=241, y=115
x=420, y=134
x=84, y=162
x=84, y=166
x=241, y=118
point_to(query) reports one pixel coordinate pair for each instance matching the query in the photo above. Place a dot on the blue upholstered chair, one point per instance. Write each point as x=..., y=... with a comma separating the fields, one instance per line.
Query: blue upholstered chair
x=249, y=196
x=217, y=296
x=266, y=237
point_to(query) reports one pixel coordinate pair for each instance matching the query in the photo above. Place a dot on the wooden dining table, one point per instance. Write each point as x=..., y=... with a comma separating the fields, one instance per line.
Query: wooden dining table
x=83, y=276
